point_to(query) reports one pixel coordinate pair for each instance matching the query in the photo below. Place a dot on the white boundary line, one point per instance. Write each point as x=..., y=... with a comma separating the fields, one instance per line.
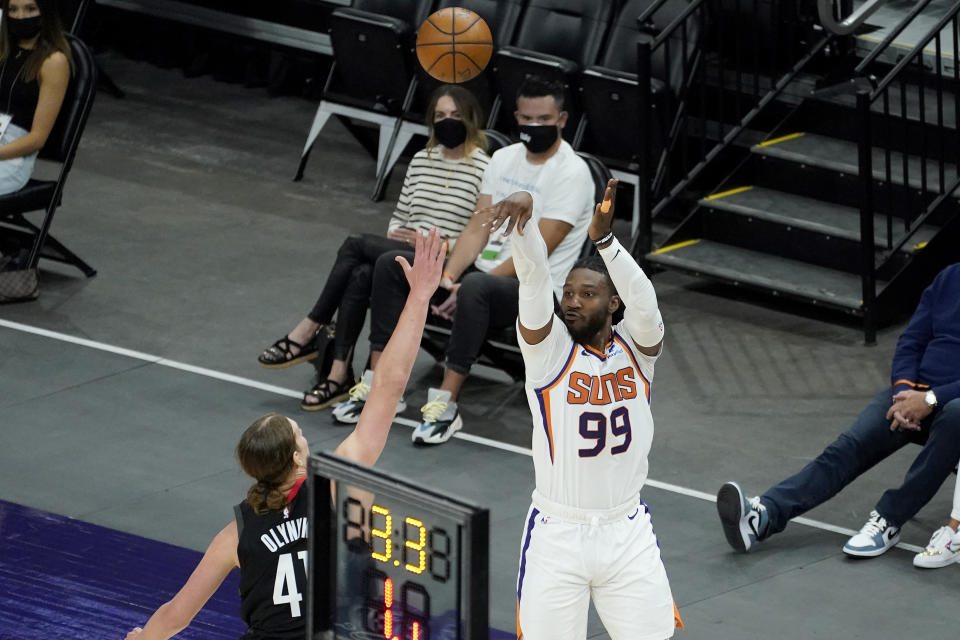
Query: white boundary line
x=487, y=442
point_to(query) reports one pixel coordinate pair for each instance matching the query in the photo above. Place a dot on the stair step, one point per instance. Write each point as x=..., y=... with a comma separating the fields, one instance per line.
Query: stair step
x=766, y=272
x=931, y=114
x=801, y=212
x=841, y=156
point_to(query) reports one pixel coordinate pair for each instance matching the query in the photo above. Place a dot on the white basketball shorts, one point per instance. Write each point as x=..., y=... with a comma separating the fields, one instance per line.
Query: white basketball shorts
x=568, y=556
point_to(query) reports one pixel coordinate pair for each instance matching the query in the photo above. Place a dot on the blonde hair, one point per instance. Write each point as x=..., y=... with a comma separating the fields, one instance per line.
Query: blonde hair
x=470, y=114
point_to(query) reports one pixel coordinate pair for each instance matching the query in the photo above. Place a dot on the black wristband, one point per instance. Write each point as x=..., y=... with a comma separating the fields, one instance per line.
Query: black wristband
x=605, y=239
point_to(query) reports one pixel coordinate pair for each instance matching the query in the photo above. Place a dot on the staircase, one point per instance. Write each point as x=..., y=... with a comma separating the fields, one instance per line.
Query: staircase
x=849, y=201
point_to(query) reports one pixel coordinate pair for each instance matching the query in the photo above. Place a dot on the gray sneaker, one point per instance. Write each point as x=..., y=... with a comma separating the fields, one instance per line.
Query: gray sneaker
x=441, y=419
x=875, y=537
x=348, y=411
x=744, y=520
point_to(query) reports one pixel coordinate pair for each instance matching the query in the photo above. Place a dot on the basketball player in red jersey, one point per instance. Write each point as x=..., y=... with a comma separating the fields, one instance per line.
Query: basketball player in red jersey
x=268, y=540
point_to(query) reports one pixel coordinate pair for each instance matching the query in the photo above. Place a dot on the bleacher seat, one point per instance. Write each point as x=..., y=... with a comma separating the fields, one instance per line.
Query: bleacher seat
x=373, y=76
x=609, y=91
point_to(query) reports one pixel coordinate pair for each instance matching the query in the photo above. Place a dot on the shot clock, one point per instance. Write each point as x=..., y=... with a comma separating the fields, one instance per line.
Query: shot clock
x=391, y=560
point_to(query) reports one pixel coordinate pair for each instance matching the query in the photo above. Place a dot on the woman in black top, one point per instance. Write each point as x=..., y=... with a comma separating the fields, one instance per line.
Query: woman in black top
x=271, y=545
x=34, y=73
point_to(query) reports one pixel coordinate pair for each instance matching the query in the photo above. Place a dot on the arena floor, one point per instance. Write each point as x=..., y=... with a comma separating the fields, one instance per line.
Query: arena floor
x=122, y=396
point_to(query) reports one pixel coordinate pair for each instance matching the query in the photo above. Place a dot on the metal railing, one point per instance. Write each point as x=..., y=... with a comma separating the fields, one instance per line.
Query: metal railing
x=909, y=156
x=829, y=12
x=742, y=63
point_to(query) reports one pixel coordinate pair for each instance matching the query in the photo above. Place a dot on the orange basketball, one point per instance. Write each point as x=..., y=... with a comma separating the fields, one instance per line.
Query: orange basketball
x=454, y=45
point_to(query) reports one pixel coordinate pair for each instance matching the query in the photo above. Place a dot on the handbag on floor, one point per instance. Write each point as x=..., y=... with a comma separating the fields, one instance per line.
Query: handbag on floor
x=18, y=281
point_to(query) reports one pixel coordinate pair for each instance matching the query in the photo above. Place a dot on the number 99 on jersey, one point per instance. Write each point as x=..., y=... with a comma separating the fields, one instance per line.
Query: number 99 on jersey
x=393, y=560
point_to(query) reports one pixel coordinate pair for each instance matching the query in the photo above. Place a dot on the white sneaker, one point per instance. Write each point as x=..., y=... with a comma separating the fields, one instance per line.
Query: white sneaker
x=874, y=538
x=441, y=419
x=348, y=411
x=943, y=549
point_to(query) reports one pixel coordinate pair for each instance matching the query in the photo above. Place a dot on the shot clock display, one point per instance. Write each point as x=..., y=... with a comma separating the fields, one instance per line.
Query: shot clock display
x=391, y=560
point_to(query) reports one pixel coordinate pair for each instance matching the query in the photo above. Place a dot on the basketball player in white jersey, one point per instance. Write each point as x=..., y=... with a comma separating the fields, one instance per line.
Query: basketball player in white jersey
x=588, y=533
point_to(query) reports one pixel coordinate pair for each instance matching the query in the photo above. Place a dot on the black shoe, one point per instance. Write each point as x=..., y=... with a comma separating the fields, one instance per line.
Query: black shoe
x=325, y=393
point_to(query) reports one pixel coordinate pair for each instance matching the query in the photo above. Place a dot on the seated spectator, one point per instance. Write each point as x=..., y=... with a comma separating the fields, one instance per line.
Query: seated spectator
x=478, y=291
x=944, y=546
x=34, y=74
x=439, y=190
x=922, y=405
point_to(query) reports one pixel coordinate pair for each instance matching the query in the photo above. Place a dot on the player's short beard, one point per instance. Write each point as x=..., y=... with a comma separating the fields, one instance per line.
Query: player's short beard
x=585, y=332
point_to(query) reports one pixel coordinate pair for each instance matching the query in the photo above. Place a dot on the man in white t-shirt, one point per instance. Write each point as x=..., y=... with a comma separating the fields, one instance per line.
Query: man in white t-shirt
x=478, y=291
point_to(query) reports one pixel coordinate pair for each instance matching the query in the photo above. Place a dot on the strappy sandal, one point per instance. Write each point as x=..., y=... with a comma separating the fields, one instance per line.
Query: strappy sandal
x=280, y=355
x=325, y=393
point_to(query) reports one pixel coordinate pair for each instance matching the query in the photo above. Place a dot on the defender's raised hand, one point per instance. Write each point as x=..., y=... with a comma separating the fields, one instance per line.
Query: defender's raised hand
x=517, y=208
x=424, y=275
x=602, y=220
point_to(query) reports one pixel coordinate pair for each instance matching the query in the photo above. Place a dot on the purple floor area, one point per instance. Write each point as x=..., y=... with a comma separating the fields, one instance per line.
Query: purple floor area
x=62, y=578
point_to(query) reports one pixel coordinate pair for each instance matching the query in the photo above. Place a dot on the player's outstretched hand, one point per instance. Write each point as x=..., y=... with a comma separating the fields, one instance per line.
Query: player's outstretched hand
x=424, y=275
x=603, y=213
x=135, y=633
x=516, y=207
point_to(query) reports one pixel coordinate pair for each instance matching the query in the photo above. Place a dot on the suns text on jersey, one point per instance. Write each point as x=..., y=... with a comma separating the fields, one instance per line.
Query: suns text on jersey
x=584, y=388
x=285, y=533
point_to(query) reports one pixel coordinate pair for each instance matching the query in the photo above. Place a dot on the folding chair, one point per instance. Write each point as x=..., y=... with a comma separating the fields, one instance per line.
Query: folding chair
x=501, y=16
x=16, y=232
x=608, y=92
x=496, y=140
x=372, y=78
x=72, y=14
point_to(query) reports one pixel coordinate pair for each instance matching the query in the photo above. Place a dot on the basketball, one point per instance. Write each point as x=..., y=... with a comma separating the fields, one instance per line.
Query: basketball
x=454, y=45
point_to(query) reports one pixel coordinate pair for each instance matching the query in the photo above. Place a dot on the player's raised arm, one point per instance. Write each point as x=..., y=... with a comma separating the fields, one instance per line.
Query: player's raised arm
x=370, y=435
x=641, y=314
x=535, y=309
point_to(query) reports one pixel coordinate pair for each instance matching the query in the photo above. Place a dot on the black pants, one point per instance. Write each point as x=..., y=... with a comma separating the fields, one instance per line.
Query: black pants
x=348, y=289
x=484, y=302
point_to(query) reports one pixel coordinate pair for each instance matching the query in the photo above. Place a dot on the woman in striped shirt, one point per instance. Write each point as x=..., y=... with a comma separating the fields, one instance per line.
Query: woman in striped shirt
x=439, y=190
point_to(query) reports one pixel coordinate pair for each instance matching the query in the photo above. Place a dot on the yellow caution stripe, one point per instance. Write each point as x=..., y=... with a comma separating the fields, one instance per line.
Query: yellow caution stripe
x=729, y=192
x=674, y=247
x=768, y=143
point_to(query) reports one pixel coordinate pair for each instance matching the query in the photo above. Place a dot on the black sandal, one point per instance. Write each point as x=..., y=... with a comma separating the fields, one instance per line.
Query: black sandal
x=280, y=356
x=326, y=392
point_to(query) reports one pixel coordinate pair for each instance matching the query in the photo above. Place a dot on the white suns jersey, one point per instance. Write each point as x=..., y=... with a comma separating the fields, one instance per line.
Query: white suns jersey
x=592, y=426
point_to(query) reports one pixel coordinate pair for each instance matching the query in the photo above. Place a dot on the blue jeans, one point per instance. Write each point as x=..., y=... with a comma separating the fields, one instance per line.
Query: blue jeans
x=865, y=443
x=15, y=172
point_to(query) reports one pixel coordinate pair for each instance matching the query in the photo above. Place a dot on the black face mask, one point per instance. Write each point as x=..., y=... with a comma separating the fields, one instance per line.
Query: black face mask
x=21, y=29
x=538, y=138
x=450, y=132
